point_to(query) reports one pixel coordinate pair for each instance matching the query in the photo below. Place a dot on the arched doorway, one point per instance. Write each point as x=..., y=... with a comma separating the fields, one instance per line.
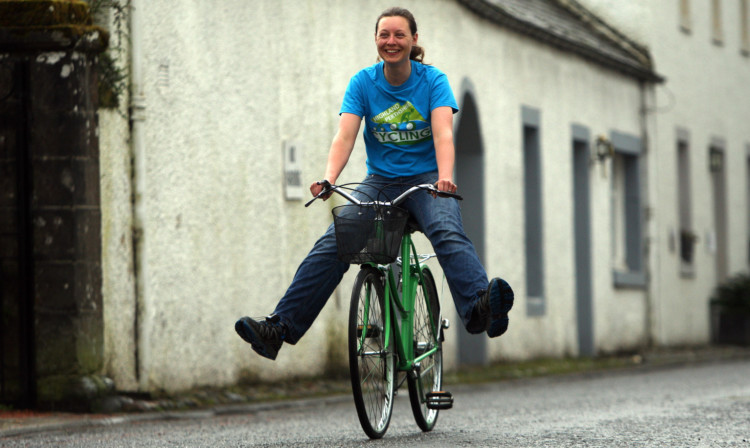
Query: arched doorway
x=470, y=180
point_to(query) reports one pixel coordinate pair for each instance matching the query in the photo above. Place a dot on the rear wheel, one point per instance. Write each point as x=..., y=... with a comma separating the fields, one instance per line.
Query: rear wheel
x=371, y=363
x=429, y=375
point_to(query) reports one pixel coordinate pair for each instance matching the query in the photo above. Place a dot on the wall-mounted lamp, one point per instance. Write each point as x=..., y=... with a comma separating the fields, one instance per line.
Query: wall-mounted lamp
x=603, y=148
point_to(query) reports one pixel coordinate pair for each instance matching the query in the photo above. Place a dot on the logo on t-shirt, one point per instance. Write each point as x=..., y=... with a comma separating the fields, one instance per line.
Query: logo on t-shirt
x=400, y=124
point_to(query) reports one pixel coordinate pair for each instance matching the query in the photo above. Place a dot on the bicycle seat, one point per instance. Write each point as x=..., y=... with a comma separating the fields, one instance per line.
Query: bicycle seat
x=412, y=225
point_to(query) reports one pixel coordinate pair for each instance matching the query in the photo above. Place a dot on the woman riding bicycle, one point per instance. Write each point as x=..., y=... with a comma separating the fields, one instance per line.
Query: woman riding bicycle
x=408, y=111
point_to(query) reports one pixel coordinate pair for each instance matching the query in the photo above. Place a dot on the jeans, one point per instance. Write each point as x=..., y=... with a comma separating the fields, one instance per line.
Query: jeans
x=438, y=218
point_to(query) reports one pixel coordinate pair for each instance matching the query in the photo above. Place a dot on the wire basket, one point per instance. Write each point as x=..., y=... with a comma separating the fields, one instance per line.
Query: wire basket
x=368, y=233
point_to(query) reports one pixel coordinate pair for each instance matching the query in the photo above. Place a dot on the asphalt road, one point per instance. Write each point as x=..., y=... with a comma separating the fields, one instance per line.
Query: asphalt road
x=689, y=406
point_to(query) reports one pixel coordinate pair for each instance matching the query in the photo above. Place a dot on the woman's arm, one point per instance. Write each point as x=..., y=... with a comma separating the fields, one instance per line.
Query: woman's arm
x=445, y=153
x=341, y=149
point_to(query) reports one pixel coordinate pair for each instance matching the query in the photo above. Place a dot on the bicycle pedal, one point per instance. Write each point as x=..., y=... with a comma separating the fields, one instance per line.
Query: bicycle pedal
x=439, y=400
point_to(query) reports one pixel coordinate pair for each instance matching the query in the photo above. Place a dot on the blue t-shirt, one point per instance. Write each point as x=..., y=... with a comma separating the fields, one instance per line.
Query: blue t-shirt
x=398, y=131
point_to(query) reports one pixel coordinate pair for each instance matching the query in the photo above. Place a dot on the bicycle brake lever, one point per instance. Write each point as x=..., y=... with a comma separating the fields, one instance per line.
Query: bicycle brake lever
x=327, y=188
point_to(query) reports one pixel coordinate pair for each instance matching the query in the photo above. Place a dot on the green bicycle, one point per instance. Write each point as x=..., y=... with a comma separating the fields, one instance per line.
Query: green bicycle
x=395, y=328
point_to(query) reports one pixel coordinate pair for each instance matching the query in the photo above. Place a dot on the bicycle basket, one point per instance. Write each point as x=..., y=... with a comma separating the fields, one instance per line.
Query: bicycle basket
x=368, y=233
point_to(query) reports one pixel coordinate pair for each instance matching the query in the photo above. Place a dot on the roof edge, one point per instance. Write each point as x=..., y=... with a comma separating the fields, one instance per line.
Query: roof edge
x=641, y=54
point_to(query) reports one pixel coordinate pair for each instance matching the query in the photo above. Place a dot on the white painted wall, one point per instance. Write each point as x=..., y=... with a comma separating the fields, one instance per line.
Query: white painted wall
x=225, y=85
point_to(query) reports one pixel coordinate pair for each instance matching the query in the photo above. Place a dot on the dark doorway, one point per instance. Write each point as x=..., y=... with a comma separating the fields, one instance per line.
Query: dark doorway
x=470, y=181
x=582, y=229
x=17, y=371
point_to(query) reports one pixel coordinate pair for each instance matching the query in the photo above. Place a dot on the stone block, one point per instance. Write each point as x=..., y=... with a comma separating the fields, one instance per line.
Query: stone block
x=55, y=287
x=88, y=286
x=8, y=246
x=87, y=182
x=88, y=234
x=9, y=287
x=54, y=182
x=8, y=183
x=63, y=134
x=55, y=335
x=60, y=80
x=54, y=234
x=8, y=220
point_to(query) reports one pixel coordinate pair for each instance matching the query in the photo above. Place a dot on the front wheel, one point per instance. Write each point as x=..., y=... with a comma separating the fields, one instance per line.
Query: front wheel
x=429, y=376
x=371, y=362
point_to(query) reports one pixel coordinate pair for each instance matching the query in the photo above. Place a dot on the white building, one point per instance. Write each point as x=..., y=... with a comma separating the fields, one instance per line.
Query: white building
x=700, y=158
x=201, y=226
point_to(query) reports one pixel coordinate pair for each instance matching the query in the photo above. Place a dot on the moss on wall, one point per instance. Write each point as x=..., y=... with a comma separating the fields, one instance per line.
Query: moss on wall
x=67, y=23
x=43, y=13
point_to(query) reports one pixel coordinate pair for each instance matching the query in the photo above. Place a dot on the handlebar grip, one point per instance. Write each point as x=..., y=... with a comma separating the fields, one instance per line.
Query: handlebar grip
x=450, y=195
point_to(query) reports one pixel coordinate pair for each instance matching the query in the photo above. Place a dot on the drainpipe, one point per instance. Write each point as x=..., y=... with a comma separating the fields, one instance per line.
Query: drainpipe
x=650, y=224
x=137, y=119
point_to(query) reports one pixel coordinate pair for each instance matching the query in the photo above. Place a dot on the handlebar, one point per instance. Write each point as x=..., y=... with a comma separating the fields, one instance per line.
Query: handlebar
x=330, y=188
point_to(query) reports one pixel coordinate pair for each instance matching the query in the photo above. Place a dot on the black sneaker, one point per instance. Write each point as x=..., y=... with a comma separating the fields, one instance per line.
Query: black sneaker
x=495, y=304
x=265, y=336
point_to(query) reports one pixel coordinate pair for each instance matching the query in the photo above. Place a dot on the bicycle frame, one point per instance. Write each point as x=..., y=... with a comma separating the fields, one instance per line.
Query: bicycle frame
x=400, y=308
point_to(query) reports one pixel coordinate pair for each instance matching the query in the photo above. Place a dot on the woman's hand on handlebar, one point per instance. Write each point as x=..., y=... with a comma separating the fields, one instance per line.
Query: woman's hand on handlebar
x=317, y=187
x=446, y=185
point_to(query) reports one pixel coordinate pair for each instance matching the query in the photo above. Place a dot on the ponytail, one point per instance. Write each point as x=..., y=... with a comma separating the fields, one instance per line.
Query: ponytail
x=417, y=53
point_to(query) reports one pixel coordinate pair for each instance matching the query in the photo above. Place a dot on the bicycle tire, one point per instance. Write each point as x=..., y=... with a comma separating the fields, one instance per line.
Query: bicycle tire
x=426, y=336
x=371, y=364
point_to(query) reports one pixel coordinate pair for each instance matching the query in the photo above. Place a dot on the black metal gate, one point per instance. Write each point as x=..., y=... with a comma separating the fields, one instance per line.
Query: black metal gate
x=17, y=354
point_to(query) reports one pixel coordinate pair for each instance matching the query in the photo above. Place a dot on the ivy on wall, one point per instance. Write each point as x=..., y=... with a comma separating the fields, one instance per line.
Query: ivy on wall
x=113, y=73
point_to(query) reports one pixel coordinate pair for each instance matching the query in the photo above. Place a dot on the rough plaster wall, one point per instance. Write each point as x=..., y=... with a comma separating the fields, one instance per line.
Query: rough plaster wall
x=226, y=86
x=118, y=287
x=220, y=241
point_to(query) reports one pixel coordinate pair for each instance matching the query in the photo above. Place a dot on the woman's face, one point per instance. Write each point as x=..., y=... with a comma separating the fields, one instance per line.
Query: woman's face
x=394, y=39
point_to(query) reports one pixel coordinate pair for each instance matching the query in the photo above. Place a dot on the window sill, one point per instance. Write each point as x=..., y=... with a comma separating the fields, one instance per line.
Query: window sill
x=535, y=307
x=687, y=270
x=629, y=279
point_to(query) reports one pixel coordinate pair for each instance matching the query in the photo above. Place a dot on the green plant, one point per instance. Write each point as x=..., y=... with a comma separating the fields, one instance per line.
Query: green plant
x=112, y=76
x=734, y=294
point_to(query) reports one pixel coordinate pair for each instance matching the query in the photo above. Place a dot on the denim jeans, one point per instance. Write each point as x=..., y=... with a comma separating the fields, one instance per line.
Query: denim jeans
x=438, y=218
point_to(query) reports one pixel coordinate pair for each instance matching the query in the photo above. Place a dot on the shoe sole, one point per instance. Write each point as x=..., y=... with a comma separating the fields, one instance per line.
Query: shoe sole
x=248, y=335
x=501, y=301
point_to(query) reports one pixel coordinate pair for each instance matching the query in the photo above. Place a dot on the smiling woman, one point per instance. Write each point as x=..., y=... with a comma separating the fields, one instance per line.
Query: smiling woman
x=407, y=109
x=395, y=32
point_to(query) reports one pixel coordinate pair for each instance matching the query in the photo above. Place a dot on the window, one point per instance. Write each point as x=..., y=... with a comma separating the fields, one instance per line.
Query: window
x=716, y=26
x=626, y=212
x=685, y=24
x=745, y=27
x=687, y=237
x=532, y=183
